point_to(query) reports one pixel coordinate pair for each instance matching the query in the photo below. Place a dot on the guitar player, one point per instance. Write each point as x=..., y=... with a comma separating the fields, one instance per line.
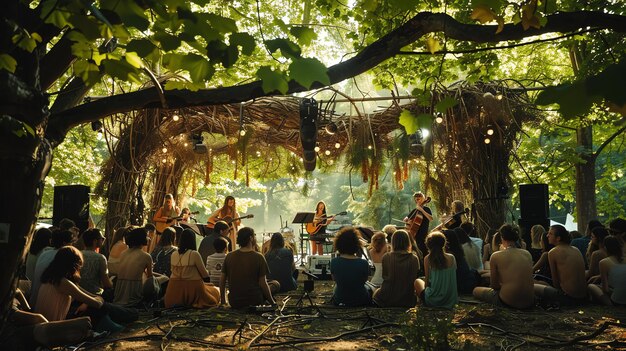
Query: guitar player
x=226, y=213
x=418, y=220
x=163, y=218
x=320, y=222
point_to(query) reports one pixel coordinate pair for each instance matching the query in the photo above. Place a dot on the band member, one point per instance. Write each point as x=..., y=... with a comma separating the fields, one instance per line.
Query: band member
x=163, y=218
x=185, y=215
x=458, y=215
x=418, y=220
x=320, y=222
x=228, y=214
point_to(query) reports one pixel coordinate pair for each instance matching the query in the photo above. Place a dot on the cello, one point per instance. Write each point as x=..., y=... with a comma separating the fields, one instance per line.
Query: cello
x=416, y=221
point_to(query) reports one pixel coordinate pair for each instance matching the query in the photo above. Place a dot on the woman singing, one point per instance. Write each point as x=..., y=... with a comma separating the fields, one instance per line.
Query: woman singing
x=320, y=222
x=227, y=213
x=163, y=219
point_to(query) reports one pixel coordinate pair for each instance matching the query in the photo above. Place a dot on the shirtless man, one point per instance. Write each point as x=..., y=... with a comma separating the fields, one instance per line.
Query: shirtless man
x=511, y=281
x=568, y=271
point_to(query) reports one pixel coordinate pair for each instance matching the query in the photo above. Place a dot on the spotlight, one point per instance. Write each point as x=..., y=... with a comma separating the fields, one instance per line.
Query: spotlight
x=331, y=128
x=96, y=126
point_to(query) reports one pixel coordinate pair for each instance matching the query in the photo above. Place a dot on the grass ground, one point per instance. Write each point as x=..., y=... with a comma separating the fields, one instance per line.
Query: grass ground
x=321, y=326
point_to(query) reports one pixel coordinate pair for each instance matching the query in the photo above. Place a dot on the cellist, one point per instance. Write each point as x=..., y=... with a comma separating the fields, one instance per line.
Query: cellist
x=418, y=220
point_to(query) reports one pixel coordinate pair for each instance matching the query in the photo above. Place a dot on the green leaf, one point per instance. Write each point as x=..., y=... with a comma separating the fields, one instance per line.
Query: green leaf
x=143, y=47
x=287, y=48
x=7, y=62
x=129, y=12
x=404, y=5
x=121, y=70
x=408, y=121
x=305, y=35
x=573, y=98
x=89, y=26
x=609, y=84
x=280, y=24
x=370, y=5
x=24, y=42
x=306, y=71
x=443, y=105
x=168, y=41
x=272, y=81
x=245, y=41
x=134, y=59
x=424, y=120
x=495, y=5
x=222, y=24
x=199, y=68
x=87, y=71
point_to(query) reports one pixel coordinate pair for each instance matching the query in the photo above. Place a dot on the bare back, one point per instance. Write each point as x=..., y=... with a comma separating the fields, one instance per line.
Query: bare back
x=512, y=274
x=568, y=270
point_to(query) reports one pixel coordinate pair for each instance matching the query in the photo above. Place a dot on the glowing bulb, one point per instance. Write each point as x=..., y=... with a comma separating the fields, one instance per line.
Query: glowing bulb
x=369, y=147
x=487, y=140
x=186, y=144
x=301, y=159
x=337, y=145
x=439, y=119
x=164, y=160
x=164, y=150
x=499, y=96
x=242, y=132
x=317, y=149
x=327, y=152
x=490, y=131
x=175, y=118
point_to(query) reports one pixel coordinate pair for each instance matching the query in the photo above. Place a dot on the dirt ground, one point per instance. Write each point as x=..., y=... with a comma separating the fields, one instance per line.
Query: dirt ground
x=300, y=325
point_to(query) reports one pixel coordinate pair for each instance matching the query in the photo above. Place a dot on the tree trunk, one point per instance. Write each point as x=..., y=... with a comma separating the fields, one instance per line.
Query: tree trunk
x=585, y=179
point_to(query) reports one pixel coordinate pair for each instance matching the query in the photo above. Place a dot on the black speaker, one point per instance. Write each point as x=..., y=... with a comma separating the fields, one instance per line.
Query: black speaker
x=72, y=202
x=533, y=201
x=526, y=224
x=308, y=132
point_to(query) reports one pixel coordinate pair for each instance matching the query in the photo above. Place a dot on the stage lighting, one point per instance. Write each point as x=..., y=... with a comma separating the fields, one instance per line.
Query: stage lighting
x=197, y=143
x=308, y=132
x=331, y=128
x=96, y=126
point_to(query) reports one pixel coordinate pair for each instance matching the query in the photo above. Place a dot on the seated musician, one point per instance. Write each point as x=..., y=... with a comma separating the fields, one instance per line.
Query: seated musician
x=227, y=213
x=418, y=220
x=163, y=219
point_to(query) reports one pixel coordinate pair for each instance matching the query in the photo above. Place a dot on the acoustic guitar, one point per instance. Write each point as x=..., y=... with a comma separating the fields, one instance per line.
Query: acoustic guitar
x=315, y=226
x=417, y=220
x=228, y=219
x=160, y=226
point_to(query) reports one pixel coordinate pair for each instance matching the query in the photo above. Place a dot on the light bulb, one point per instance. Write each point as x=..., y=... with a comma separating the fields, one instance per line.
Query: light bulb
x=317, y=149
x=487, y=140
x=337, y=145
x=490, y=131
x=175, y=118
x=327, y=152
x=164, y=150
x=242, y=132
x=439, y=119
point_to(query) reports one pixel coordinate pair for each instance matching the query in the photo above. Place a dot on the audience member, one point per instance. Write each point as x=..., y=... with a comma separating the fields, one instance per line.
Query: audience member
x=471, y=251
x=162, y=253
x=94, y=273
x=541, y=269
x=569, y=287
x=215, y=262
x=536, y=233
x=582, y=243
x=472, y=233
x=40, y=243
x=349, y=272
x=135, y=265
x=189, y=283
x=488, y=248
x=439, y=287
x=597, y=240
x=220, y=230
x=617, y=227
x=378, y=248
x=389, y=229
x=613, y=275
x=511, y=278
x=466, y=278
x=153, y=238
x=400, y=268
x=59, y=239
x=246, y=270
x=118, y=246
x=59, y=287
x=282, y=267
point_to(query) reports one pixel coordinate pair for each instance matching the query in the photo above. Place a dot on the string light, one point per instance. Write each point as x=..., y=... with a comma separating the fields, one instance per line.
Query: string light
x=327, y=152
x=369, y=147
x=439, y=119
x=175, y=118
x=490, y=130
x=487, y=140
x=242, y=132
x=164, y=150
x=164, y=160
x=337, y=145
x=317, y=149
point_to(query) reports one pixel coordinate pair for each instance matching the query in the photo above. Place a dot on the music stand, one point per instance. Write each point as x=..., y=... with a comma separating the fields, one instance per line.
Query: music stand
x=303, y=218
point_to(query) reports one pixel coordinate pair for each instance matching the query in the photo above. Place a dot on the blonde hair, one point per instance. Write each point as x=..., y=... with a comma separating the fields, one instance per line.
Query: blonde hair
x=535, y=233
x=378, y=242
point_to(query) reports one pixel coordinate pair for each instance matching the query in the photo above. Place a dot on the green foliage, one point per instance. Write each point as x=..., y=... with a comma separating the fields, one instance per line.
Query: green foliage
x=307, y=71
x=272, y=80
x=305, y=35
x=287, y=48
x=7, y=62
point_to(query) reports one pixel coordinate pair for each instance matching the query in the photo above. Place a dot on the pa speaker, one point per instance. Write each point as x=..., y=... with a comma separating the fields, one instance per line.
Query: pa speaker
x=308, y=132
x=72, y=202
x=533, y=200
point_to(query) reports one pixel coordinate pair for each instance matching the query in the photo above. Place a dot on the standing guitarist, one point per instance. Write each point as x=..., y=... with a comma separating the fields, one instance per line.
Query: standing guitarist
x=418, y=220
x=163, y=218
x=317, y=234
x=229, y=214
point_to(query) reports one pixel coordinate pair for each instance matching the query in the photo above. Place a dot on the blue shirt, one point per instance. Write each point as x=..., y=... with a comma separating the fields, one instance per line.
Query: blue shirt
x=280, y=263
x=350, y=276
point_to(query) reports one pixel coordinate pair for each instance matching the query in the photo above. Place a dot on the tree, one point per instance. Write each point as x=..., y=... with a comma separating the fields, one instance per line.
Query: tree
x=56, y=51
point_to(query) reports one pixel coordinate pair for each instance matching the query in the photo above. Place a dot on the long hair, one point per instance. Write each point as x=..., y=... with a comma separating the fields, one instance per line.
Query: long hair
x=378, y=242
x=41, y=239
x=119, y=234
x=169, y=197
x=614, y=247
x=187, y=241
x=545, y=243
x=436, y=244
x=66, y=264
x=318, y=206
x=600, y=233
x=453, y=246
x=535, y=233
x=277, y=242
x=228, y=210
x=400, y=241
x=168, y=237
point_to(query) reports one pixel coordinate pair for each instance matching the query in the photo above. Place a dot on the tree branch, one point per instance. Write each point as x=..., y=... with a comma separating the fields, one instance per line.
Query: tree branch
x=608, y=141
x=379, y=51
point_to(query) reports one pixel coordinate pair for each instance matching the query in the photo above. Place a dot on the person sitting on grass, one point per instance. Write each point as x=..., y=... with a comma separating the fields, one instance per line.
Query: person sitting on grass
x=162, y=253
x=94, y=273
x=612, y=275
x=399, y=268
x=246, y=270
x=215, y=262
x=349, y=272
x=188, y=284
x=40, y=243
x=567, y=267
x=438, y=289
x=220, y=230
x=511, y=278
x=541, y=268
x=378, y=249
x=281, y=264
x=597, y=240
